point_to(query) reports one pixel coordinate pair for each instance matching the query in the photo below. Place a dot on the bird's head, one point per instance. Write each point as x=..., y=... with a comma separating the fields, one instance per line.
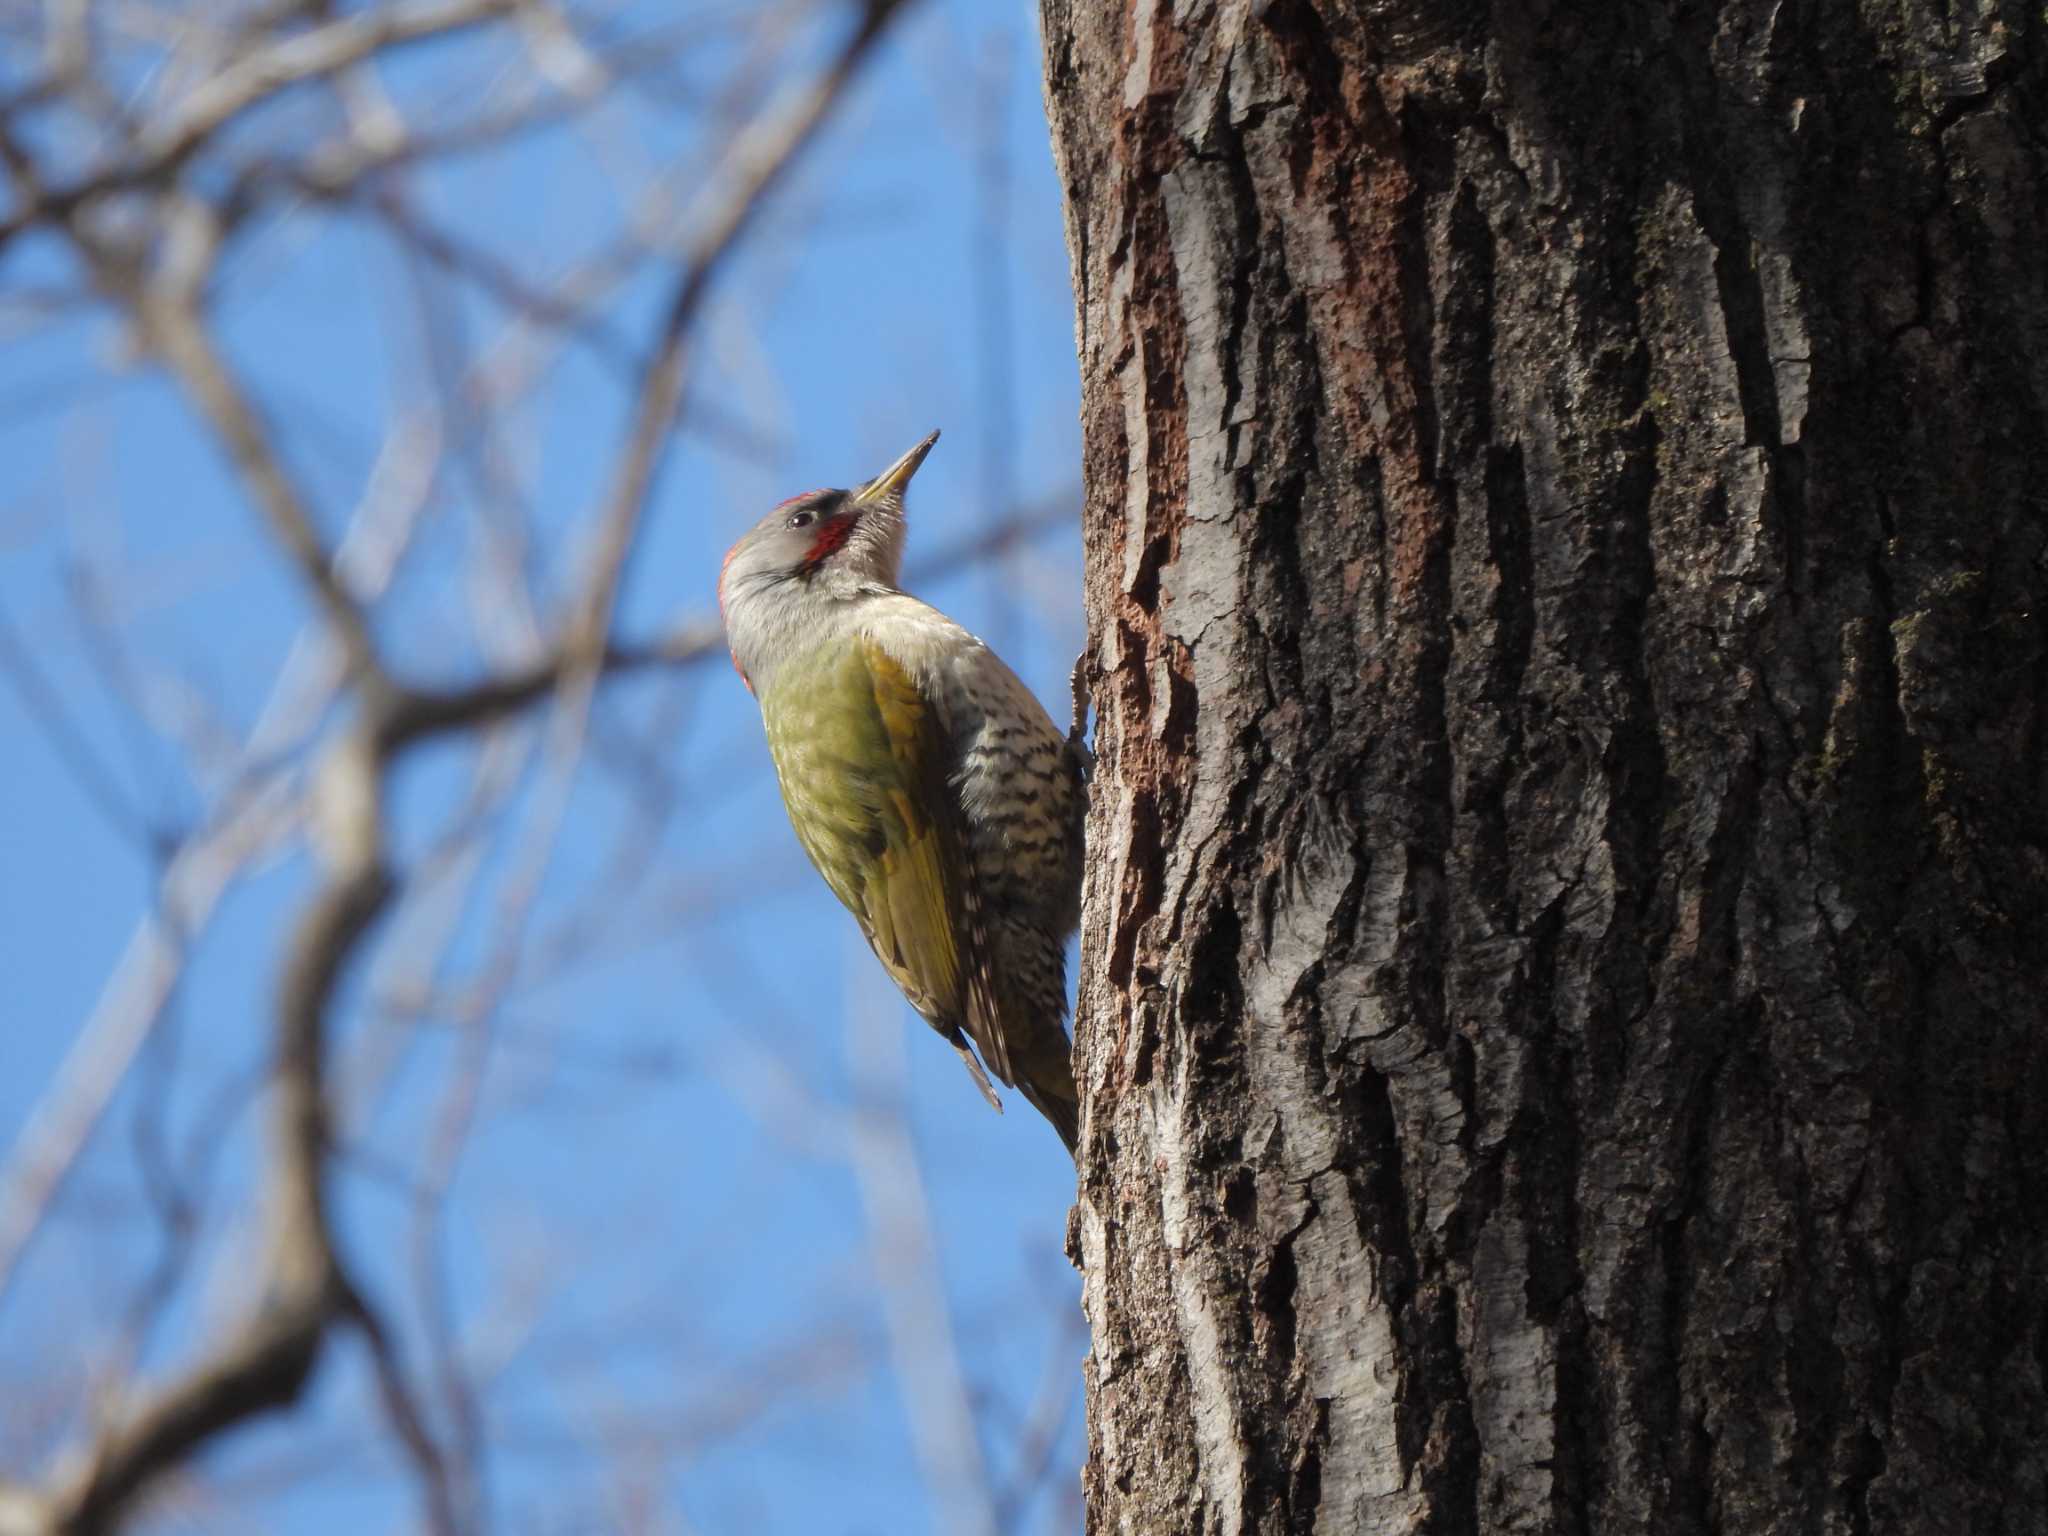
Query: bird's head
x=812, y=551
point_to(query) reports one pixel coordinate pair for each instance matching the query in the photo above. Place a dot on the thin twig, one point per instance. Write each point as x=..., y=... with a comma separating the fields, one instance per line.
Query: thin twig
x=45, y=705
x=407, y=1420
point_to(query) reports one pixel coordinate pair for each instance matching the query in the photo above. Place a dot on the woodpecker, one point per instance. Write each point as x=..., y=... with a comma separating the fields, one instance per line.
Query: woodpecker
x=926, y=782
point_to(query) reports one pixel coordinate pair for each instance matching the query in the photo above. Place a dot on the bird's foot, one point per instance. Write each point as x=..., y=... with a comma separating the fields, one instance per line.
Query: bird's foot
x=1077, y=733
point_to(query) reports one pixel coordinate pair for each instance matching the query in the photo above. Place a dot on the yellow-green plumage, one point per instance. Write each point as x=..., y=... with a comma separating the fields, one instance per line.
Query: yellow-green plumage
x=860, y=755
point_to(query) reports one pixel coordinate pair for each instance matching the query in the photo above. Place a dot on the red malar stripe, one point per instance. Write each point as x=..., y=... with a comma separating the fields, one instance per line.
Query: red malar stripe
x=832, y=536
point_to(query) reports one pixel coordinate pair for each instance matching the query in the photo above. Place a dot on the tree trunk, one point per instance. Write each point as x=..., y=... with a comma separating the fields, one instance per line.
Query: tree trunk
x=1563, y=967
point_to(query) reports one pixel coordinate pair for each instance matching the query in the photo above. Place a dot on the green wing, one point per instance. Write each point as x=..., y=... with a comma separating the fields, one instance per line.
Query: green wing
x=864, y=760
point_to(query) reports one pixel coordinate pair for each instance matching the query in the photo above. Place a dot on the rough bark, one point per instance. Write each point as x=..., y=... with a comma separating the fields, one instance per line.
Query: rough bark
x=1563, y=988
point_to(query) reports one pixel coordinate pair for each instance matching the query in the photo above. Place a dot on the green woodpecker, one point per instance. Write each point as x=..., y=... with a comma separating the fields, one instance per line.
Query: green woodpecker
x=927, y=784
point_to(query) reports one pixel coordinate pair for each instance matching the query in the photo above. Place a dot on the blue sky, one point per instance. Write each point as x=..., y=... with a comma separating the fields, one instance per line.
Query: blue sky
x=660, y=1262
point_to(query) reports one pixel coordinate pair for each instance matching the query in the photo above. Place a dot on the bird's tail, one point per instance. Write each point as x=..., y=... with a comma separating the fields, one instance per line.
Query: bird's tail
x=1064, y=1113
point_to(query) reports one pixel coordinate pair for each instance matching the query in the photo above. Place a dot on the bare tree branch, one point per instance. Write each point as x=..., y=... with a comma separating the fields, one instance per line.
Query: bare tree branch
x=1051, y=1412
x=407, y=1420
x=45, y=705
x=245, y=82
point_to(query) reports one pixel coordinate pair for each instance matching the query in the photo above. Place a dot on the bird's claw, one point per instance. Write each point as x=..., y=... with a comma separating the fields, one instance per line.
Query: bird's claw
x=1077, y=733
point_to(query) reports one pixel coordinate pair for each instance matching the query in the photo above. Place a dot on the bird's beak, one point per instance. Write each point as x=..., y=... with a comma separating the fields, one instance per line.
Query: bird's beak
x=891, y=481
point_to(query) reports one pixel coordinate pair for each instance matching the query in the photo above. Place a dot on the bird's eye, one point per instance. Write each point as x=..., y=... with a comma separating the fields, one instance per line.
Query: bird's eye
x=802, y=519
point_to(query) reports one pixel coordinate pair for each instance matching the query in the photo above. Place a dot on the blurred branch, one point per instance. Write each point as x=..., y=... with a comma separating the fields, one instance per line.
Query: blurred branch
x=44, y=704
x=273, y=67
x=497, y=278
x=337, y=168
x=1050, y=1413
x=407, y=1420
x=243, y=83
